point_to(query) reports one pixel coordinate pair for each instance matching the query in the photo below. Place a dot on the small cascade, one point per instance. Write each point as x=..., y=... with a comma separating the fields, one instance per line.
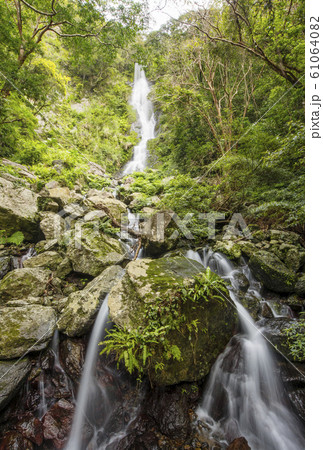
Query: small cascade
x=42, y=410
x=146, y=119
x=18, y=261
x=88, y=382
x=55, y=350
x=244, y=395
x=131, y=242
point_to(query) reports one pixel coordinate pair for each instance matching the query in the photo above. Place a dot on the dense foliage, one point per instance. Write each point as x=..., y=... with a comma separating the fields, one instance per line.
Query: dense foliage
x=64, y=83
x=229, y=87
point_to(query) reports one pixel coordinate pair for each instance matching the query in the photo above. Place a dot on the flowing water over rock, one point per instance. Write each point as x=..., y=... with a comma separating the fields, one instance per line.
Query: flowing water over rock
x=18, y=261
x=146, y=121
x=89, y=387
x=244, y=395
x=101, y=420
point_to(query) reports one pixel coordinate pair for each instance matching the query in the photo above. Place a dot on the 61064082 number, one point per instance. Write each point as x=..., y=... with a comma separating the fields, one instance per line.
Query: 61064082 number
x=314, y=47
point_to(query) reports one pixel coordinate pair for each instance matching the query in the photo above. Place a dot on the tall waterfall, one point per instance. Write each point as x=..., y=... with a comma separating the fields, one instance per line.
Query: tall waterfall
x=244, y=395
x=146, y=119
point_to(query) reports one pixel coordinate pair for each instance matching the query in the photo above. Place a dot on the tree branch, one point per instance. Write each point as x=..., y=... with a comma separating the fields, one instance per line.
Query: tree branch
x=42, y=13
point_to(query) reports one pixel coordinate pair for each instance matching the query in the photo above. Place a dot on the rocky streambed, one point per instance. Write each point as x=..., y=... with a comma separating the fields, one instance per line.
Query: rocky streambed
x=50, y=297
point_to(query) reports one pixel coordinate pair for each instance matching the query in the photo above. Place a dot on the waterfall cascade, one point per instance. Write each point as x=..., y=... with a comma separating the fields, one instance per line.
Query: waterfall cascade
x=146, y=121
x=88, y=384
x=244, y=395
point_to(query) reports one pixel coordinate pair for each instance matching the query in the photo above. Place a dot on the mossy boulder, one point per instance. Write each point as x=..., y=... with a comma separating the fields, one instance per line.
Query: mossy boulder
x=229, y=248
x=252, y=304
x=46, y=204
x=18, y=210
x=268, y=269
x=62, y=195
x=295, y=302
x=81, y=307
x=95, y=215
x=25, y=329
x=51, y=260
x=22, y=283
x=116, y=207
x=284, y=236
x=91, y=251
x=12, y=375
x=147, y=279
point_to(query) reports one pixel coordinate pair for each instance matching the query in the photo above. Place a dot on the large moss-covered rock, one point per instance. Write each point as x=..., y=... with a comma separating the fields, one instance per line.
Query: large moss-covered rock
x=61, y=195
x=12, y=375
x=92, y=251
x=81, y=307
x=147, y=279
x=22, y=283
x=51, y=260
x=268, y=269
x=116, y=207
x=25, y=329
x=284, y=236
x=18, y=210
x=229, y=248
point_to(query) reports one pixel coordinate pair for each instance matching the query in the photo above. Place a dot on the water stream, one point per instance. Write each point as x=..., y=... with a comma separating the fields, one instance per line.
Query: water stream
x=244, y=395
x=88, y=386
x=18, y=261
x=146, y=121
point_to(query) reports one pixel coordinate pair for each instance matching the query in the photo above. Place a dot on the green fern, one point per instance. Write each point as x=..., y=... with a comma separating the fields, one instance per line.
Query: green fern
x=17, y=238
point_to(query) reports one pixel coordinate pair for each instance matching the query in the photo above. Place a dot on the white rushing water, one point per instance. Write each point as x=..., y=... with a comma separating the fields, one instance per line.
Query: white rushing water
x=244, y=395
x=88, y=382
x=145, y=113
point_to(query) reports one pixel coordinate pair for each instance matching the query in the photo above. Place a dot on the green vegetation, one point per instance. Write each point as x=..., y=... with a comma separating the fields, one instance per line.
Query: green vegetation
x=64, y=84
x=296, y=338
x=229, y=86
x=16, y=238
x=141, y=348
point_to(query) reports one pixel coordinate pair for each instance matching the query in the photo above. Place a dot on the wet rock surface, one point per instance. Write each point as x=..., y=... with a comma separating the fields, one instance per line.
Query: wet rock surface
x=272, y=272
x=57, y=423
x=239, y=444
x=12, y=376
x=38, y=398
